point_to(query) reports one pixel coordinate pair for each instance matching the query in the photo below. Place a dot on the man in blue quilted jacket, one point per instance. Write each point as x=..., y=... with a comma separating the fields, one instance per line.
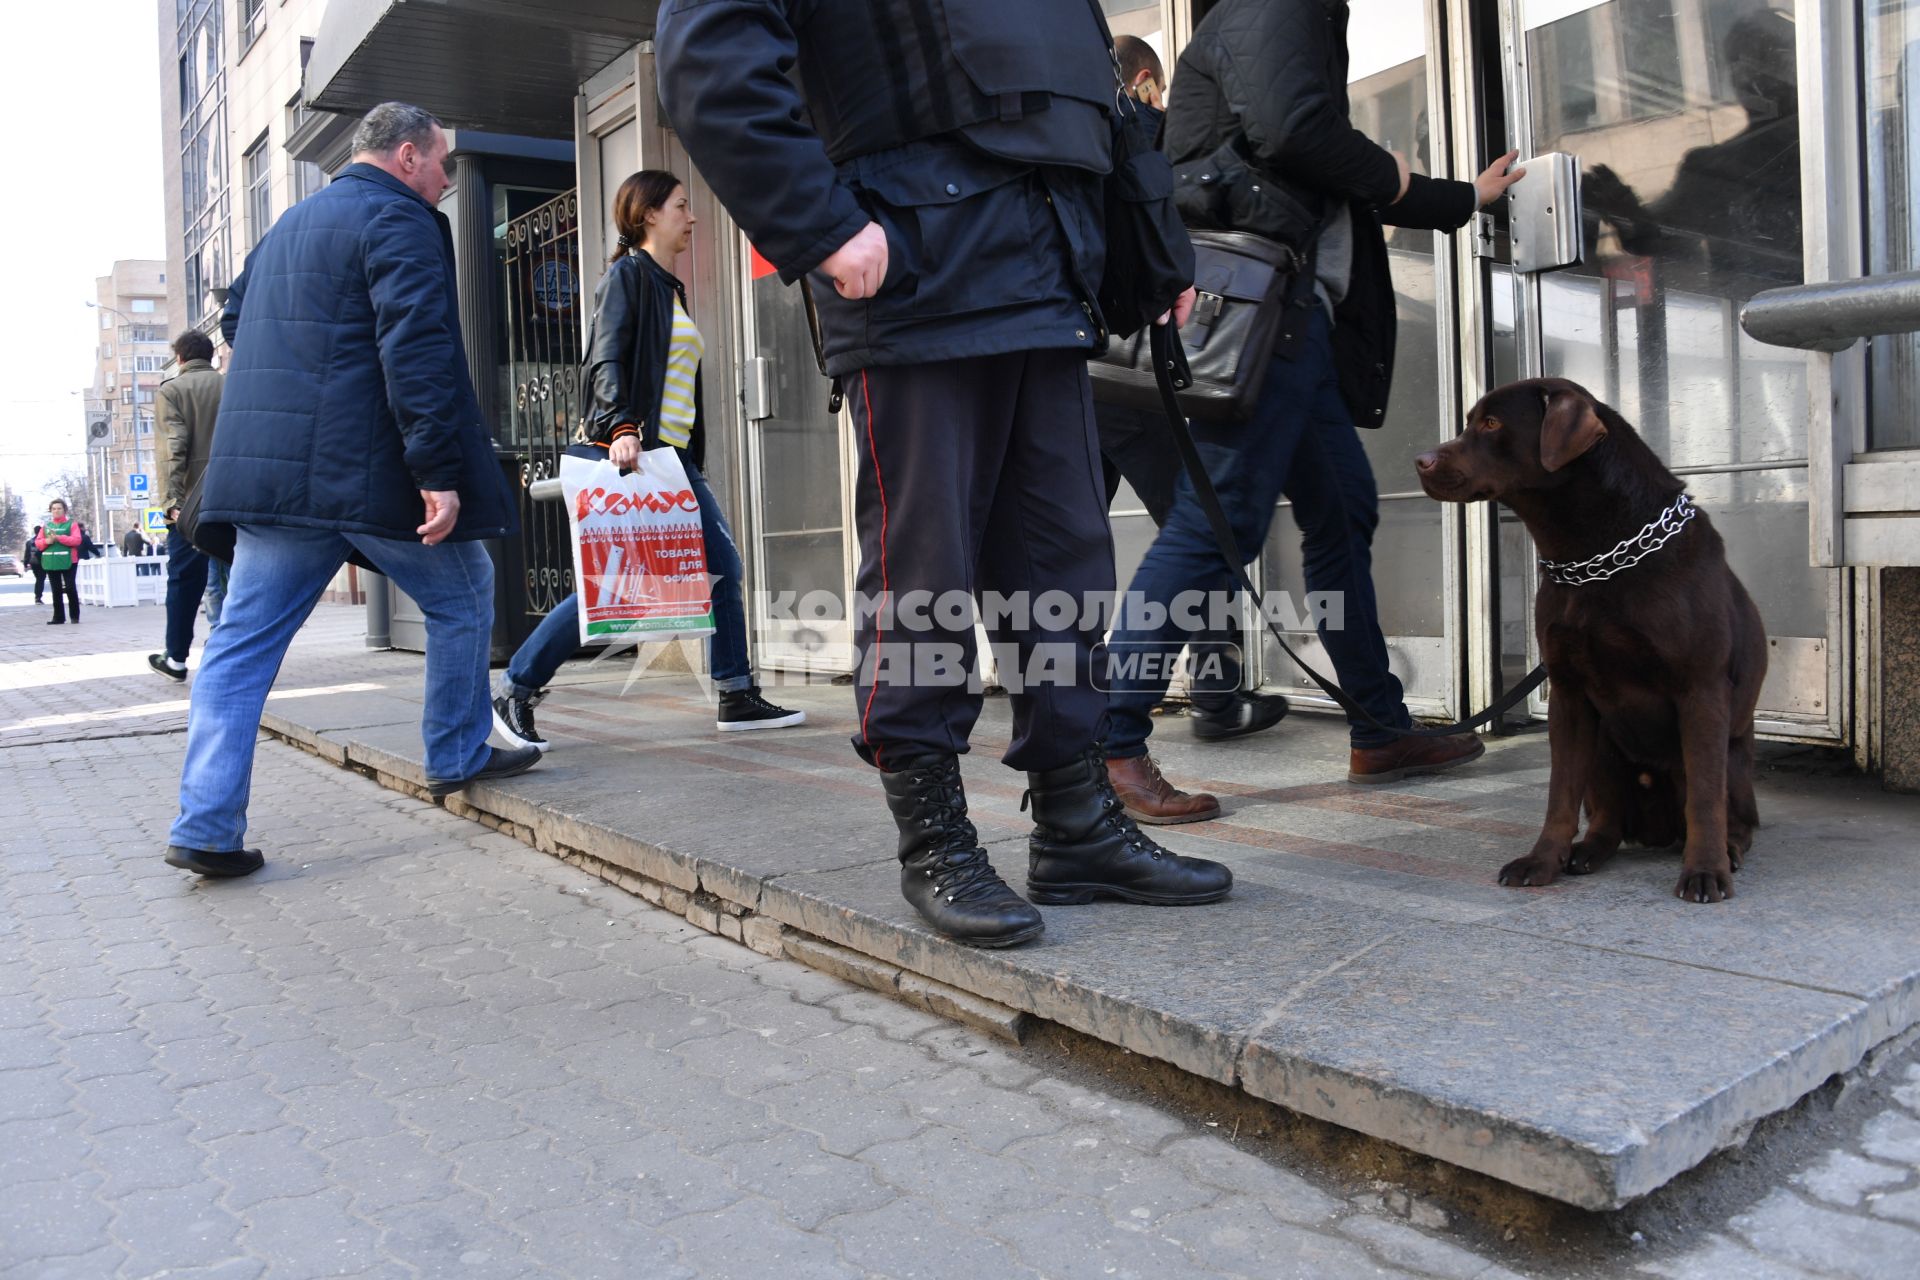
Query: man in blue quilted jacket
x=348, y=430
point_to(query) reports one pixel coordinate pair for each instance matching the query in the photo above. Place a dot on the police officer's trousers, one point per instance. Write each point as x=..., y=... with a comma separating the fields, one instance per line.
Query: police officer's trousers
x=981, y=478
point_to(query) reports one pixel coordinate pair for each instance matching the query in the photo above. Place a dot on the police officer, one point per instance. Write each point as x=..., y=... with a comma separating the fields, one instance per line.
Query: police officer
x=935, y=170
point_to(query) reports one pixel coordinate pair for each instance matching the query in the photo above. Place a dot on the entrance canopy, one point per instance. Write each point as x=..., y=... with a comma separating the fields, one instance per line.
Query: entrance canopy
x=512, y=66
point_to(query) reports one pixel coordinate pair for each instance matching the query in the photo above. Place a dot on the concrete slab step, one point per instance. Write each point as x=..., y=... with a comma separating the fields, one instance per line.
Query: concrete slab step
x=1589, y=1041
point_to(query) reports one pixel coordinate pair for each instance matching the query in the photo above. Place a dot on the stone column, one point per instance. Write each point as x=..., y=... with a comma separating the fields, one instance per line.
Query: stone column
x=1900, y=679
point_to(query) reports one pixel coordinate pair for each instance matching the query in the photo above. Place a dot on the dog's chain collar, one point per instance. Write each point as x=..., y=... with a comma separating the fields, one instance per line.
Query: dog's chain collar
x=1630, y=551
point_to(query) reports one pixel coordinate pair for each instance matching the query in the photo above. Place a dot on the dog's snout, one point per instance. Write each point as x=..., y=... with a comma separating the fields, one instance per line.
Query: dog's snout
x=1426, y=462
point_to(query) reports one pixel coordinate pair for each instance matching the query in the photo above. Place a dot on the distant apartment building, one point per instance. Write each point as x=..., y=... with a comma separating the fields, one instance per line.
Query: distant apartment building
x=129, y=359
x=230, y=99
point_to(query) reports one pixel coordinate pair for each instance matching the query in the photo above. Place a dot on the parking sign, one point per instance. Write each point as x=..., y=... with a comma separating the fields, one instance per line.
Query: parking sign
x=137, y=483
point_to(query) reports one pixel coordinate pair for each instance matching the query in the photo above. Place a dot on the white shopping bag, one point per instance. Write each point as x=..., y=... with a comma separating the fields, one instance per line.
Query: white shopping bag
x=639, y=556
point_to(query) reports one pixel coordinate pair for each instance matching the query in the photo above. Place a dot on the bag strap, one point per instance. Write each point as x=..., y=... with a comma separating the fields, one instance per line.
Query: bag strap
x=1172, y=374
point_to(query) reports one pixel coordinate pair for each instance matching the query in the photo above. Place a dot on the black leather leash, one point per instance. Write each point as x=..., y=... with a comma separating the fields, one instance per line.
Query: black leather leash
x=1172, y=374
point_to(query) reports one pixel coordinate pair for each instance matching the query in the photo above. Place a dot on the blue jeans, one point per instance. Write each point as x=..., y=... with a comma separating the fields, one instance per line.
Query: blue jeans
x=558, y=635
x=216, y=589
x=186, y=583
x=1300, y=443
x=278, y=577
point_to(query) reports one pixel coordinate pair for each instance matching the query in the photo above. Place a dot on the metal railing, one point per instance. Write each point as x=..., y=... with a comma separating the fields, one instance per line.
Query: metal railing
x=544, y=335
x=1834, y=315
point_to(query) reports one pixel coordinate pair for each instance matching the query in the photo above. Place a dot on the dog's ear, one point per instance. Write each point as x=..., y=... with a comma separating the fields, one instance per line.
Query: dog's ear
x=1568, y=429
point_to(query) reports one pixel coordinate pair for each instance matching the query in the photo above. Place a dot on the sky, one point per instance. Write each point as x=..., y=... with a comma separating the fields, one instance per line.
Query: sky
x=81, y=82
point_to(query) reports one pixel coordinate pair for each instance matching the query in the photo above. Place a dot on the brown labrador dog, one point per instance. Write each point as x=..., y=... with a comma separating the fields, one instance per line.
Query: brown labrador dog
x=1654, y=650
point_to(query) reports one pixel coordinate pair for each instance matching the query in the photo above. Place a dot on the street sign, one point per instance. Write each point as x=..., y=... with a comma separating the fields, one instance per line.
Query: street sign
x=137, y=483
x=156, y=523
x=116, y=502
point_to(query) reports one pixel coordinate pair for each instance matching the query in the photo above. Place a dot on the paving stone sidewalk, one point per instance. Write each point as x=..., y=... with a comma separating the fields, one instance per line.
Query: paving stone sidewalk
x=415, y=1047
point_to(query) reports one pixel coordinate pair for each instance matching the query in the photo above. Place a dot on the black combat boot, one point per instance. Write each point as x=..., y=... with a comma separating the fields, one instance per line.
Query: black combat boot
x=1085, y=847
x=944, y=872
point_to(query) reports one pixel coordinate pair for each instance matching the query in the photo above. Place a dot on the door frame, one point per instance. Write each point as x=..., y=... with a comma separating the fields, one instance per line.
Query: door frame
x=1817, y=122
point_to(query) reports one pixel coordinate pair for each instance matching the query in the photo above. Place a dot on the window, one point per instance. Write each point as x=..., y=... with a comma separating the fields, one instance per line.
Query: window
x=149, y=364
x=141, y=306
x=257, y=173
x=253, y=23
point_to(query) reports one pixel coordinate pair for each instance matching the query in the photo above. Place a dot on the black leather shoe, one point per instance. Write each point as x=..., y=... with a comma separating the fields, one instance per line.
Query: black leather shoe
x=218, y=866
x=160, y=663
x=944, y=872
x=1243, y=714
x=1084, y=846
x=502, y=763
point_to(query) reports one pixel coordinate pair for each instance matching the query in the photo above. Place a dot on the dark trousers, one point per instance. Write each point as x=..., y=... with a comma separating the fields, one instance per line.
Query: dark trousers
x=1137, y=445
x=1302, y=444
x=39, y=584
x=186, y=583
x=66, y=593
x=978, y=477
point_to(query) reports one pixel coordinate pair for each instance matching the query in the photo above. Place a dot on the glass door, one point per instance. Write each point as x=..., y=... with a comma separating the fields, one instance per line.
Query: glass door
x=1397, y=92
x=798, y=488
x=1684, y=118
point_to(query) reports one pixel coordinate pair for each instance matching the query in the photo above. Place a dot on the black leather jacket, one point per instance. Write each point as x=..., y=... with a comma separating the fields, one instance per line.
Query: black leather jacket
x=627, y=356
x=1270, y=76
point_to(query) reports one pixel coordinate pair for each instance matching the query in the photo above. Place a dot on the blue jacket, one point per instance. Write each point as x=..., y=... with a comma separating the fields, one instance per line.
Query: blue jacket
x=995, y=238
x=347, y=392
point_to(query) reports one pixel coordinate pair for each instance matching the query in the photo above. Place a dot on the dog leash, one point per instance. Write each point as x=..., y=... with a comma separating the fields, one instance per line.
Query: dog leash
x=1172, y=374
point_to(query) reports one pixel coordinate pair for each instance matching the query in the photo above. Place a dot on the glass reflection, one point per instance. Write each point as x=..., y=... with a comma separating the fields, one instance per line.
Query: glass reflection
x=1685, y=117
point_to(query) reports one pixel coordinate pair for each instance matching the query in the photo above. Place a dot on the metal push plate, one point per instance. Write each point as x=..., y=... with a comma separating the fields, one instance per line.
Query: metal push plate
x=1545, y=213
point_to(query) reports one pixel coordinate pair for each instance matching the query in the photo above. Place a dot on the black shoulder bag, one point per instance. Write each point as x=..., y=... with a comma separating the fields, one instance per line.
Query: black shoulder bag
x=1171, y=376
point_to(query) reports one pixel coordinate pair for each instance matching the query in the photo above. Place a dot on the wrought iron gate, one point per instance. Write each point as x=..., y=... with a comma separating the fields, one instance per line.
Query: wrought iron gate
x=544, y=334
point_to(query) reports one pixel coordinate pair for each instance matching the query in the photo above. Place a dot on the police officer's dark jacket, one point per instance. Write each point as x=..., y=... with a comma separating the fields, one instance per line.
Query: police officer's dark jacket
x=1277, y=70
x=627, y=361
x=973, y=131
x=348, y=392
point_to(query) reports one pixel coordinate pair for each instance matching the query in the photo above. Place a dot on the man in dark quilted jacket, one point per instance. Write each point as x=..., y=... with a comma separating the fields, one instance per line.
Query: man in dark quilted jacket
x=348, y=429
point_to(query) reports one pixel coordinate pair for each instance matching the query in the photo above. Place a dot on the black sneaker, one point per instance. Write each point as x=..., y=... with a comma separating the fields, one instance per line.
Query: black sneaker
x=164, y=665
x=500, y=764
x=513, y=720
x=1246, y=713
x=748, y=710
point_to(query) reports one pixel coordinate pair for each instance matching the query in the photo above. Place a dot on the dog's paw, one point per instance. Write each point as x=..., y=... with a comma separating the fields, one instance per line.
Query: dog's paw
x=1710, y=885
x=1589, y=856
x=1530, y=871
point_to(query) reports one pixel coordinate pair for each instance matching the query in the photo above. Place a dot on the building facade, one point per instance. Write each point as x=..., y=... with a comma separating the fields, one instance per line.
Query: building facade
x=129, y=361
x=230, y=99
x=1723, y=147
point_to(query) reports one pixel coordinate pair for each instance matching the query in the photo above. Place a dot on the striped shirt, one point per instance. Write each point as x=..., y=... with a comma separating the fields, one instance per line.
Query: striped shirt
x=678, y=406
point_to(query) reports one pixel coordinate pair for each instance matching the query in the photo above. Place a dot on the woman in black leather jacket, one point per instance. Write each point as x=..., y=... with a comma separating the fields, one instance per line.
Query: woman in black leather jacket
x=643, y=365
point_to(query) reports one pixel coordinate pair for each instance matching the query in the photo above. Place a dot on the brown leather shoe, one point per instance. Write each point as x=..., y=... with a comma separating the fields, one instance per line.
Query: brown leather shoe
x=1149, y=797
x=1410, y=754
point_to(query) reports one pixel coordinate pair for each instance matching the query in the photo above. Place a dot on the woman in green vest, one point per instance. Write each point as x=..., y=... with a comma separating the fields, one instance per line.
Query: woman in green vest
x=58, y=543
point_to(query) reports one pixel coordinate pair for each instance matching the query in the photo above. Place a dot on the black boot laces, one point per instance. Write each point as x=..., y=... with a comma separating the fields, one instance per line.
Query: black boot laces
x=963, y=871
x=1115, y=810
